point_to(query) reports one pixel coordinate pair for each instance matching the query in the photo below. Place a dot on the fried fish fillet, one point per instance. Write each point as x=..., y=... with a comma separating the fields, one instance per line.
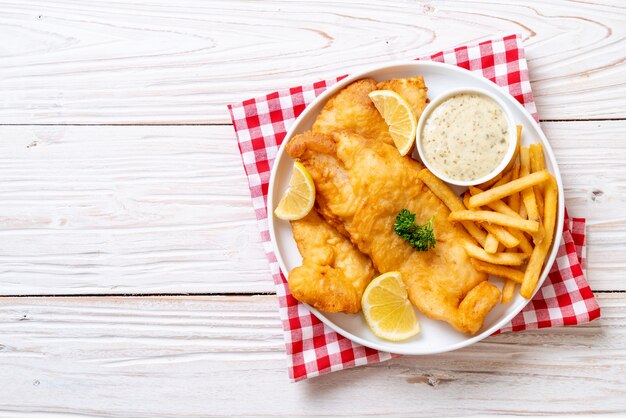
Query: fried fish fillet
x=333, y=274
x=352, y=109
x=362, y=184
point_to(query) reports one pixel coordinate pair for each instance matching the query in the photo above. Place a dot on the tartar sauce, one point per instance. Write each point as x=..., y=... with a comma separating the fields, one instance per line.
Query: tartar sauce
x=466, y=136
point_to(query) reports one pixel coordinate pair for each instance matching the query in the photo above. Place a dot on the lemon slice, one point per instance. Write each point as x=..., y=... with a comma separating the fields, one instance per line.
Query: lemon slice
x=298, y=200
x=399, y=117
x=387, y=309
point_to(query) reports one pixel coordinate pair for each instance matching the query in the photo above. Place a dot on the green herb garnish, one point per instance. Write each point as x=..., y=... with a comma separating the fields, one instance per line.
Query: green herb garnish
x=421, y=237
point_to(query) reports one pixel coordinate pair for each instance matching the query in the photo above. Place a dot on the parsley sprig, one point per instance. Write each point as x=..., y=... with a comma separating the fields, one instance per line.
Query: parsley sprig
x=421, y=237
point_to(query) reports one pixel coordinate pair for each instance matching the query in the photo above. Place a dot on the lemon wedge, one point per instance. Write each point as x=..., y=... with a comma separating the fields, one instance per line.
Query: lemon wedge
x=387, y=308
x=298, y=200
x=399, y=117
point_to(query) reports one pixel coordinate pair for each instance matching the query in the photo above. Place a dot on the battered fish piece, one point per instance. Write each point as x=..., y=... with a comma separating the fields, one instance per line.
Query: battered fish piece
x=352, y=109
x=334, y=274
x=441, y=282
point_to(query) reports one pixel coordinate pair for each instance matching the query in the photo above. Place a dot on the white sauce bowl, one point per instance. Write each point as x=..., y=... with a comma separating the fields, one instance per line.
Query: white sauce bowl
x=511, y=144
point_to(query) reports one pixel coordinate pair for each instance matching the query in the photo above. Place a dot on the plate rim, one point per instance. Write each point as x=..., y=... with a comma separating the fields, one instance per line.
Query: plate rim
x=547, y=150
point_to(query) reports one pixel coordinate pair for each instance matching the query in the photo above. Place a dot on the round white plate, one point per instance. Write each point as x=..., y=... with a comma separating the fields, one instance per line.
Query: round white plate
x=436, y=336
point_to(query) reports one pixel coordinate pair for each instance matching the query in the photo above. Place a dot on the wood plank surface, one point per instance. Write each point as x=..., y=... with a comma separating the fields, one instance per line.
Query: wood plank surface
x=165, y=209
x=223, y=356
x=77, y=61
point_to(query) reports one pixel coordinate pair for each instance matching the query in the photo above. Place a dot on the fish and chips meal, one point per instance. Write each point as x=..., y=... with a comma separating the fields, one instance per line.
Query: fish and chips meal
x=380, y=232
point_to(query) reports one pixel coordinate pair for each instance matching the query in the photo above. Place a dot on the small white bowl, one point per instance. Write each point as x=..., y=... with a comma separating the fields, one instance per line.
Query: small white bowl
x=512, y=136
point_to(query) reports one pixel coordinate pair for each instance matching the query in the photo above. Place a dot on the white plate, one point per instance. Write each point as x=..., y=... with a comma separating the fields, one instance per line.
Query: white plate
x=436, y=336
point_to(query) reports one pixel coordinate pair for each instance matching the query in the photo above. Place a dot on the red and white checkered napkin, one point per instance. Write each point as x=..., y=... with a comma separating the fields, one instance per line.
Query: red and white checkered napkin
x=313, y=349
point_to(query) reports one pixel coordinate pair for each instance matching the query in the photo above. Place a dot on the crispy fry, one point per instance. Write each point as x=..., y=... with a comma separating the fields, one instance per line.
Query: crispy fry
x=451, y=200
x=502, y=235
x=524, y=244
x=537, y=161
x=537, y=258
x=528, y=196
x=539, y=200
x=491, y=244
x=496, y=205
x=466, y=198
x=501, y=207
x=522, y=210
x=491, y=182
x=514, y=199
x=494, y=218
x=441, y=190
x=506, y=259
x=505, y=179
x=508, y=291
x=504, y=190
x=498, y=270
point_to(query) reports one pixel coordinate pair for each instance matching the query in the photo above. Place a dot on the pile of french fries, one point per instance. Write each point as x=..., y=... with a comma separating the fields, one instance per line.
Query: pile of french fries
x=511, y=219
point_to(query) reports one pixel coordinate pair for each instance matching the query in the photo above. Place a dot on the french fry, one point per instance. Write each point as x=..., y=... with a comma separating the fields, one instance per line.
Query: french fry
x=497, y=178
x=497, y=193
x=491, y=182
x=539, y=199
x=508, y=291
x=528, y=196
x=522, y=210
x=441, y=190
x=538, y=163
x=466, y=198
x=451, y=200
x=524, y=244
x=497, y=270
x=537, y=258
x=491, y=244
x=501, y=207
x=503, y=236
x=506, y=259
x=537, y=160
x=514, y=199
x=504, y=179
x=496, y=205
x=494, y=218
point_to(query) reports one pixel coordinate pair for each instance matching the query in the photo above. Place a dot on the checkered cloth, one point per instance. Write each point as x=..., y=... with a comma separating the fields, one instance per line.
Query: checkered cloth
x=312, y=348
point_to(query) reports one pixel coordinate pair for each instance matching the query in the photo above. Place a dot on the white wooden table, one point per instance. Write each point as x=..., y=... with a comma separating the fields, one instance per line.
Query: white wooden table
x=131, y=268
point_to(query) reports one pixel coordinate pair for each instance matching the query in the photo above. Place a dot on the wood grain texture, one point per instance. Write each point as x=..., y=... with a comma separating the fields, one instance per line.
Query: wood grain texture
x=166, y=209
x=126, y=210
x=219, y=356
x=77, y=61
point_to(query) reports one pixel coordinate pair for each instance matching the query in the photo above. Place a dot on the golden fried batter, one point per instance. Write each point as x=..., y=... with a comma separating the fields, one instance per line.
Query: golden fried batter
x=353, y=110
x=362, y=184
x=333, y=274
